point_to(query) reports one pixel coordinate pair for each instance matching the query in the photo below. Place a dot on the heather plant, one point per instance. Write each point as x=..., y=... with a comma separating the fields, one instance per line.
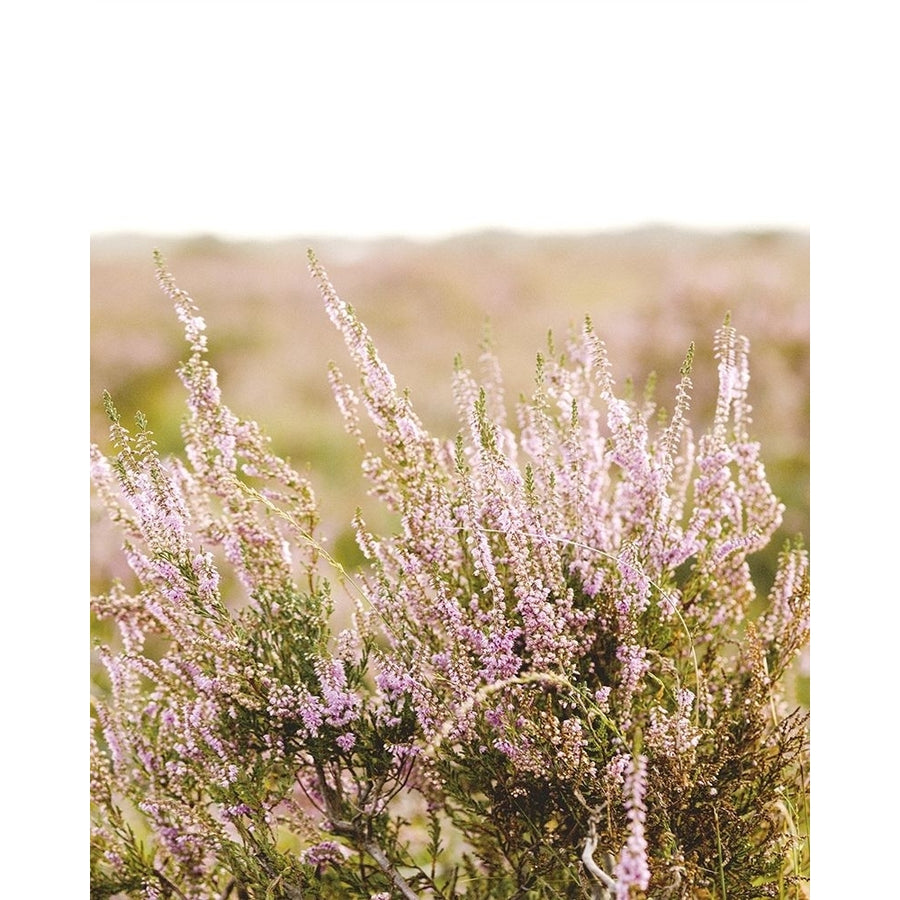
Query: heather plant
x=558, y=680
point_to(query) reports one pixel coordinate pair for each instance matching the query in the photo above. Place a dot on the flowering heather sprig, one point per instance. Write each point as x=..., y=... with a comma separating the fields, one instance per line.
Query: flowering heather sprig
x=322, y=854
x=554, y=667
x=632, y=869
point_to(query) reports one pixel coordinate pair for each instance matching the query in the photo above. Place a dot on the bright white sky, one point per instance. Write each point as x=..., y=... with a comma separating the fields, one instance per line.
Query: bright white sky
x=362, y=119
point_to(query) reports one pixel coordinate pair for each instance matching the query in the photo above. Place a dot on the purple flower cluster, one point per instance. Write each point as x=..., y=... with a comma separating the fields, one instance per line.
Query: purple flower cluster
x=322, y=854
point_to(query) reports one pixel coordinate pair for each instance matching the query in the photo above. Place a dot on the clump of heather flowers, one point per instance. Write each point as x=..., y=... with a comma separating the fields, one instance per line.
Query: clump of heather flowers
x=559, y=680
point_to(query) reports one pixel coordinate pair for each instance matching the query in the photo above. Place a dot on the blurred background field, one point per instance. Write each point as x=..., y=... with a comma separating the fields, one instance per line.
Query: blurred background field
x=649, y=292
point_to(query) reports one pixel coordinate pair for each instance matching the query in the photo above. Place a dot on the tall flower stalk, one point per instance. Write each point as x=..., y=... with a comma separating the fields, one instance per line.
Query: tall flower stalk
x=556, y=682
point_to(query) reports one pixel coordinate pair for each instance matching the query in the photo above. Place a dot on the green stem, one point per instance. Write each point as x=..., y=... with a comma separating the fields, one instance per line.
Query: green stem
x=721, y=861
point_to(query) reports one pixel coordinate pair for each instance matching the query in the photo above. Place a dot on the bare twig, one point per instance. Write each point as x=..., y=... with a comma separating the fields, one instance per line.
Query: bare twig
x=357, y=833
x=168, y=884
x=385, y=865
x=587, y=857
